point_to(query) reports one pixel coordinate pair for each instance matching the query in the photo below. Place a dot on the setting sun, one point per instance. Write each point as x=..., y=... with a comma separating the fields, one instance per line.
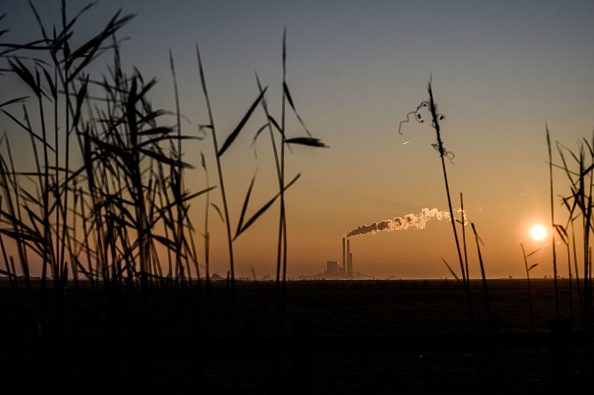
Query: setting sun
x=538, y=232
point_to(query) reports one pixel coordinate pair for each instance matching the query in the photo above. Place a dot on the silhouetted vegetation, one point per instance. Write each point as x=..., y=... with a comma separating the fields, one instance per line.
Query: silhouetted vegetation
x=106, y=211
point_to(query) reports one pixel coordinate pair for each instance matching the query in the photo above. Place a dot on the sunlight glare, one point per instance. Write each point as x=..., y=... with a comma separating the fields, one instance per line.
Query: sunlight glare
x=538, y=232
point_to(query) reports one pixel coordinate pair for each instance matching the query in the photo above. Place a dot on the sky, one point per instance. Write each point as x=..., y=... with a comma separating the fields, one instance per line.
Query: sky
x=500, y=70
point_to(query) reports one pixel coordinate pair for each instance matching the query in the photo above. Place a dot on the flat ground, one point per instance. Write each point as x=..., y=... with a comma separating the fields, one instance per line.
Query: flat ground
x=189, y=340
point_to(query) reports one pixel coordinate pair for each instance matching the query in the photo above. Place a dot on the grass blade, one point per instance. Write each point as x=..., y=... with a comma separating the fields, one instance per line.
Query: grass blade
x=264, y=208
x=241, y=124
x=308, y=141
x=245, y=205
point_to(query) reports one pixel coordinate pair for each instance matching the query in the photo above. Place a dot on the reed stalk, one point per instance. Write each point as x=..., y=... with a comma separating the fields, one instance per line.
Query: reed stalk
x=218, y=152
x=562, y=232
x=528, y=269
x=102, y=212
x=553, y=242
x=211, y=126
x=463, y=225
x=282, y=223
x=7, y=272
x=483, y=277
x=442, y=154
x=579, y=204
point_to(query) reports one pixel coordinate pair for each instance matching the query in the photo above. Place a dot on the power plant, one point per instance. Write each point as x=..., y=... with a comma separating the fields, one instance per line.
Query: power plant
x=347, y=264
x=345, y=269
x=342, y=271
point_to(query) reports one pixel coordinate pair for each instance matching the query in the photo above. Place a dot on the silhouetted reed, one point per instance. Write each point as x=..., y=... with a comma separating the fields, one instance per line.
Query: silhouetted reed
x=443, y=154
x=579, y=205
x=105, y=219
x=553, y=243
x=528, y=269
x=116, y=211
x=272, y=125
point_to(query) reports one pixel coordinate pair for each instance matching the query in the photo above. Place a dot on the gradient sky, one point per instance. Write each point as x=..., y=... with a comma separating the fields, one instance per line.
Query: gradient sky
x=500, y=71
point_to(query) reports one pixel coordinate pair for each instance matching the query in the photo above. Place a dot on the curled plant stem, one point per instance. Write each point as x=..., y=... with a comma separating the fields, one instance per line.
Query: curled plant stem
x=435, y=116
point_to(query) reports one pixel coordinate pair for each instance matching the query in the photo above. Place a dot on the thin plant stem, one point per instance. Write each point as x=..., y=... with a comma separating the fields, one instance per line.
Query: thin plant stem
x=528, y=282
x=442, y=154
x=463, y=223
x=484, y=278
x=221, y=184
x=553, y=225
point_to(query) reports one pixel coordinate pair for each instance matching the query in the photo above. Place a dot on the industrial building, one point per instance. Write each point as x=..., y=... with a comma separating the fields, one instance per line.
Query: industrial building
x=342, y=271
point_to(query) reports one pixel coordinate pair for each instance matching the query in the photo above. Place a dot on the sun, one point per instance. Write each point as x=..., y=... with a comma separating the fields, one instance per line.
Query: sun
x=538, y=232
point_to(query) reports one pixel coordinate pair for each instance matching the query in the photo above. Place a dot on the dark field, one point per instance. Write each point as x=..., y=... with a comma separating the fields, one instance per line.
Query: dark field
x=348, y=337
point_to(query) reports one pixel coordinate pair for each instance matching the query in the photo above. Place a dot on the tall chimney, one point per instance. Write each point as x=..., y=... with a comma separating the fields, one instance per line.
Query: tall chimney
x=349, y=268
x=350, y=264
x=343, y=269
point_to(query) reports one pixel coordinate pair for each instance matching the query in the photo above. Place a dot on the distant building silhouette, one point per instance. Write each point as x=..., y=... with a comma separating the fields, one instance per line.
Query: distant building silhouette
x=332, y=267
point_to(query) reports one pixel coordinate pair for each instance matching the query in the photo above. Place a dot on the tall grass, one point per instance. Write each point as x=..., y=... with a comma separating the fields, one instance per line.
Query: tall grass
x=280, y=165
x=107, y=200
x=565, y=238
x=107, y=218
x=218, y=153
x=106, y=197
x=279, y=148
x=553, y=243
x=528, y=269
x=578, y=167
x=39, y=214
x=443, y=154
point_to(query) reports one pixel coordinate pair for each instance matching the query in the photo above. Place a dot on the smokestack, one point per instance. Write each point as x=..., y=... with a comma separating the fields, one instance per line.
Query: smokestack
x=343, y=269
x=349, y=268
x=350, y=264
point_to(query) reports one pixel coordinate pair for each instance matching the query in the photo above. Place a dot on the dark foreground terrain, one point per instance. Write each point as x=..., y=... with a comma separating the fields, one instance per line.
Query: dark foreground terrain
x=347, y=337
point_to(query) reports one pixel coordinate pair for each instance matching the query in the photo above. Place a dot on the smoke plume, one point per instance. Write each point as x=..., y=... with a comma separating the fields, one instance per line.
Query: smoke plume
x=415, y=221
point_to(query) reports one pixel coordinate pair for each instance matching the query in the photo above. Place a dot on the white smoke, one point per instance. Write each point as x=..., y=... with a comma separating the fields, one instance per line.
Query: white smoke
x=415, y=221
